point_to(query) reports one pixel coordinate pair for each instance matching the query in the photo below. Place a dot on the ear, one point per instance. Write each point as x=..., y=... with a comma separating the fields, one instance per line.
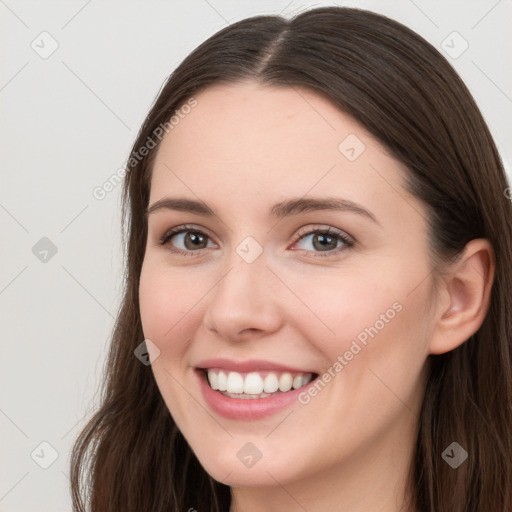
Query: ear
x=466, y=290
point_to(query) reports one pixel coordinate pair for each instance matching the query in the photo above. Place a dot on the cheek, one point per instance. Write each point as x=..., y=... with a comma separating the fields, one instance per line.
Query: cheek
x=338, y=306
x=369, y=319
x=373, y=358
x=166, y=310
x=166, y=301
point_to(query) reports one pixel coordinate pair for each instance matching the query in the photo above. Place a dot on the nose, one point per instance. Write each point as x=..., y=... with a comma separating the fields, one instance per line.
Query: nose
x=245, y=302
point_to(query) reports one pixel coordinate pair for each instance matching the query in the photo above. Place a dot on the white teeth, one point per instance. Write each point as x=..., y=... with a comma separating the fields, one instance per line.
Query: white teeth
x=222, y=381
x=214, y=380
x=255, y=384
x=235, y=383
x=285, y=382
x=271, y=384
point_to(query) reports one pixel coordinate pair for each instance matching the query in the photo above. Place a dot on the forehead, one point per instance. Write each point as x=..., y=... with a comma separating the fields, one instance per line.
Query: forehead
x=258, y=122
x=251, y=141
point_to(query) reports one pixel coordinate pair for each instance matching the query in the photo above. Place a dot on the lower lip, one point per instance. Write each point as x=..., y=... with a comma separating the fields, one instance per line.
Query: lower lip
x=245, y=409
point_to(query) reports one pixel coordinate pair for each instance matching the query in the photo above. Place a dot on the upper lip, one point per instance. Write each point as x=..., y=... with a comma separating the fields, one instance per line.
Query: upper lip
x=248, y=366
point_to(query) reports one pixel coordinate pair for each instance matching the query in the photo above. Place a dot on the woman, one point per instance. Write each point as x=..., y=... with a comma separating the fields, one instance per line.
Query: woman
x=318, y=263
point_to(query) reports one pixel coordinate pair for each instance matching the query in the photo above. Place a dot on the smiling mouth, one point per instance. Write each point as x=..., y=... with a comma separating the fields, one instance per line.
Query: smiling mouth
x=258, y=384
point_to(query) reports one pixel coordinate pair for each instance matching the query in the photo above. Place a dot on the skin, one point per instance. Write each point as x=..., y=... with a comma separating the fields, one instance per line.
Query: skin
x=242, y=149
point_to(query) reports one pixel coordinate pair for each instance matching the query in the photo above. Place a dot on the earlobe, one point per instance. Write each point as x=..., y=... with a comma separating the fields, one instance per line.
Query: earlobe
x=468, y=284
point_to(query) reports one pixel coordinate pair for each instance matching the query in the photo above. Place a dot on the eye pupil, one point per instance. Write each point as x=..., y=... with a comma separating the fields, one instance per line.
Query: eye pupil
x=324, y=238
x=195, y=238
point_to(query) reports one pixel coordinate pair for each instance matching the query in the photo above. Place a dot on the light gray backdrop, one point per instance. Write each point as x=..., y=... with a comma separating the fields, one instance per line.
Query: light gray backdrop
x=77, y=79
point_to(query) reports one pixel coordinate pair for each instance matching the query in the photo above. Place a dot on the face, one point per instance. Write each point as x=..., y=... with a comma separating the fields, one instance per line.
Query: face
x=264, y=291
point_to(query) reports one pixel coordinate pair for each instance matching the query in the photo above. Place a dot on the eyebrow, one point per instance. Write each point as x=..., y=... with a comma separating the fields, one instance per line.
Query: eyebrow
x=280, y=210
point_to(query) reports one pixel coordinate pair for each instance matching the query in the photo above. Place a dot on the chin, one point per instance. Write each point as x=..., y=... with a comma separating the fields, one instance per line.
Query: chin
x=228, y=469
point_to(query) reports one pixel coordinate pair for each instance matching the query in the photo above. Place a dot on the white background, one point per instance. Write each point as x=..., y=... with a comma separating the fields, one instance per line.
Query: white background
x=67, y=123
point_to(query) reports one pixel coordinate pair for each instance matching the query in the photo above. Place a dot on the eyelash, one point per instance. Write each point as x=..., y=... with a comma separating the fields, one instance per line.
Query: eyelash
x=338, y=235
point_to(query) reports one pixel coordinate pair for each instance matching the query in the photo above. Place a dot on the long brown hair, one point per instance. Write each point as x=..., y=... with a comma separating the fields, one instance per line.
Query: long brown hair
x=132, y=457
